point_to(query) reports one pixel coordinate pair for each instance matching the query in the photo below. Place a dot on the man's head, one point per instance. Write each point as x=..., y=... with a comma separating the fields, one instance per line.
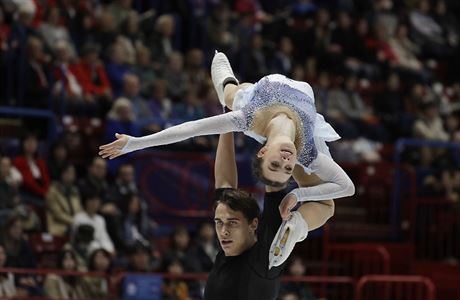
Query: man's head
x=236, y=219
x=274, y=163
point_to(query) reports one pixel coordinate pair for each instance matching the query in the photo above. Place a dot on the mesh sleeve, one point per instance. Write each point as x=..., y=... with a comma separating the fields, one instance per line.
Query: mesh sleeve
x=213, y=125
x=336, y=183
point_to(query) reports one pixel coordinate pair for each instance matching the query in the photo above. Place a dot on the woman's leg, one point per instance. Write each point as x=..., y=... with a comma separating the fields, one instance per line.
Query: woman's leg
x=230, y=91
x=225, y=82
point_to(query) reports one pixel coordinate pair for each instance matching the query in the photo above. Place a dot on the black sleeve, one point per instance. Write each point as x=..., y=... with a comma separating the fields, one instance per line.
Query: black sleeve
x=270, y=220
x=269, y=224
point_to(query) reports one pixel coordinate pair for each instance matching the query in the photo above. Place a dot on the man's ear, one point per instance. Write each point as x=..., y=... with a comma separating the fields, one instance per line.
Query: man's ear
x=262, y=152
x=254, y=224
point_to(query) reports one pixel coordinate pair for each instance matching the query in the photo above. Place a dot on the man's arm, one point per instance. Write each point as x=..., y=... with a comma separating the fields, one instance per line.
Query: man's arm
x=225, y=171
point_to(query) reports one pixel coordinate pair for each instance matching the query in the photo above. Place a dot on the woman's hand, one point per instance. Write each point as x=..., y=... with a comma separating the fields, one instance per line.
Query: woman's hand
x=286, y=205
x=113, y=149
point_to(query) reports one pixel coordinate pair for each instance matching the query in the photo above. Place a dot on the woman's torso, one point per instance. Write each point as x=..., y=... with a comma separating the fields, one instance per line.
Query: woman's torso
x=275, y=94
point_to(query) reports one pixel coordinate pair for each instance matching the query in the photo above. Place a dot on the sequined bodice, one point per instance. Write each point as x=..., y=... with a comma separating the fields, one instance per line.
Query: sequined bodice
x=269, y=93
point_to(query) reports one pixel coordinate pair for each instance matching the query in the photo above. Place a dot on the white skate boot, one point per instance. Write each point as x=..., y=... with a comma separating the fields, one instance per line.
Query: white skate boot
x=290, y=232
x=221, y=73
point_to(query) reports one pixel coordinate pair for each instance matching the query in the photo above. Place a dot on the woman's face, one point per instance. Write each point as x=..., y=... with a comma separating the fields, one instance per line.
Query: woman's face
x=2, y=257
x=101, y=261
x=278, y=161
x=68, y=262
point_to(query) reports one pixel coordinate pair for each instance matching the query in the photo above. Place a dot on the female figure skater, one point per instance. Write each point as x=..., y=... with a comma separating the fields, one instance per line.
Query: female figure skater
x=278, y=111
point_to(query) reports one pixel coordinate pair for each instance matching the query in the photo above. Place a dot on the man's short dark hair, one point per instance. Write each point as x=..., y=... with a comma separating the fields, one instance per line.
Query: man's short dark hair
x=239, y=200
x=258, y=173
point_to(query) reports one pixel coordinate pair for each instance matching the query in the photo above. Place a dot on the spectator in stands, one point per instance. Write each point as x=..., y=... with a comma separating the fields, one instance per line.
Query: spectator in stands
x=342, y=38
x=205, y=248
x=80, y=239
x=131, y=91
x=389, y=106
x=219, y=35
x=5, y=31
x=35, y=79
x=93, y=79
x=161, y=43
x=120, y=118
x=191, y=108
x=20, y=255
x=33, y=170
x=319, y=35
x=159, y=103
x=9, y=195
x=452, y=124
x=175, y=77
x=443, y=183
x=321, y=91
x=352, y=116
x=136, y=225
x=405, y=50
x=144, y=70
x=175, y=289
x=139, y=259
x=95, y=180
x=117, y=68
x=58, y=159
x=21, y=52
x=10, y=199
x=194, y=68
x=283, y=61
x=125, y=184
x=63, y=203
x=89, y=216
x=67, y=91
x=120, y=10
x=256, y=65
x=429, y=125
x=426, y=31
x=297, y=268
x=180, y=250
x=64, y=286
x=52, y=30
x=99, y=260
x=105, y=34
x=7, y=283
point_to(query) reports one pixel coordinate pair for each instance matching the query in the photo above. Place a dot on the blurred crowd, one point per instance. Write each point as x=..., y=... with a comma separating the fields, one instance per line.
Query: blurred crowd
x=380, y=70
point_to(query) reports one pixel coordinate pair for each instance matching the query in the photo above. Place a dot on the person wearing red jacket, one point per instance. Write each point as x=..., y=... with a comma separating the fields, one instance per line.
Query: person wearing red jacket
x=91, y=75
x=33, y=169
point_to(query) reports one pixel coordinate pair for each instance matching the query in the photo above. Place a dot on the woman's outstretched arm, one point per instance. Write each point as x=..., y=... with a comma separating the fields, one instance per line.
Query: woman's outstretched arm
x=224, y=123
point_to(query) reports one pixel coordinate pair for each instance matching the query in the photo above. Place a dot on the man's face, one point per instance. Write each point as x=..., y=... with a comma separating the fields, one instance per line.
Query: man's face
x=234, y=232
